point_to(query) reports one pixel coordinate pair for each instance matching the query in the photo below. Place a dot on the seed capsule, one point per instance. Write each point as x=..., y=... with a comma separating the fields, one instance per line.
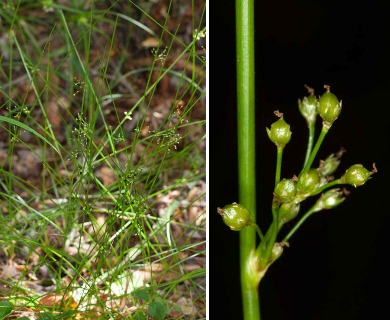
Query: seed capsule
x=308, y=181
x=329, y=165
x=235, y=216
x=280, y=133
x=285, y=190
x=329, y=107
x=356, y=175
x=308, y=107
x=288, y=211
x=330, y=199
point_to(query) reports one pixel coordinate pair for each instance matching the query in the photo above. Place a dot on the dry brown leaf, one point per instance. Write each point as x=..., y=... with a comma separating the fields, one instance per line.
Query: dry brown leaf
x=106, y=175
x=150, y=42
x=186, y=305
x=57, y=300
x=196, y=215
x=9, y=271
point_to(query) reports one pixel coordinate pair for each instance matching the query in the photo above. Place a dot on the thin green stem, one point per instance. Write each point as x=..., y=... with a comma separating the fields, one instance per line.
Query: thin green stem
x=246, y=149
x=278, y=165
x=313, y=154
x=326, y=186
x=310, y=141
x=273, y=232
x=300, y=222
x=258, y=230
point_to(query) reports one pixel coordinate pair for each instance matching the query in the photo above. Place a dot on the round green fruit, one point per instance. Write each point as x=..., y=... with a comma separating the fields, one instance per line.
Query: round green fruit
x=235, y=216
x=329, y=107
x=356, y=175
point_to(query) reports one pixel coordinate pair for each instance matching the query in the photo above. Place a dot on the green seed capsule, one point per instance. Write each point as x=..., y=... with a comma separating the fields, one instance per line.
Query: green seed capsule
x=356, y=175
x=280, y=133
x=329, y=165
x=308, y=182
x=330, y=199
x=288, y=211
x=285, y=190
x=235, y=216
x=329, y=107
x=308, y=107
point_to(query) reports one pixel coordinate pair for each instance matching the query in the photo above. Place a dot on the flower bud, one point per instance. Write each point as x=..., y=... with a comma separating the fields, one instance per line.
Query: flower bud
x=235, y=216
x=277, y=250
x=308, y=107
x=329, y=107
x=279, y=133
x=329, y=165
x=357, y=175
x=288, y=211
x=285, y=190
x=308, y=181
x=330, y=199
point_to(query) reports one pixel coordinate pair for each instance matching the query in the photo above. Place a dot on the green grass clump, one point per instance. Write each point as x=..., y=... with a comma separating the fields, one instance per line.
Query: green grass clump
x=102, y=153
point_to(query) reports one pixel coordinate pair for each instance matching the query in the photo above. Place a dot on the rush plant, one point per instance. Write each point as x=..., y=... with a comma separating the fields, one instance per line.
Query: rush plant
x=312, y=182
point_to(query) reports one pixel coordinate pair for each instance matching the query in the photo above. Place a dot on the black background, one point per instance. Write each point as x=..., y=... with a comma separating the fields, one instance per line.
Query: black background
x=336, y=266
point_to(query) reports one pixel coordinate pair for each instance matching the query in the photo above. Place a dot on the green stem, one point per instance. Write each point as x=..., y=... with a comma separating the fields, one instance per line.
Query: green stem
x=273, y=232
x=310, y=141
x=326, y=186
x=246, y=149
x=313, y=154
x=254, y=225
x=300, y=222
x=278, y=165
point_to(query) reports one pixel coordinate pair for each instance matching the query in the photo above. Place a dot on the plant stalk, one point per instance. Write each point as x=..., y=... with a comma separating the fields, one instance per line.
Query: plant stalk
x=246, y=149
x=310, y=141
x=314, y=152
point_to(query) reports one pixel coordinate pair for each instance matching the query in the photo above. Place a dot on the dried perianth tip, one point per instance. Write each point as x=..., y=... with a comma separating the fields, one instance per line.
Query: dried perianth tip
x=340, y=153
x=310, y=90
x=278, y=114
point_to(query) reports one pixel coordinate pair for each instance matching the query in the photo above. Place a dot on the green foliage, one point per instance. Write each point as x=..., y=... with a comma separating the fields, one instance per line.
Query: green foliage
x=157, y=310
x=66, y=315
x=23, y=126
x=113, y=131
x=6, y=308
x=140, y=294
x=139, y=315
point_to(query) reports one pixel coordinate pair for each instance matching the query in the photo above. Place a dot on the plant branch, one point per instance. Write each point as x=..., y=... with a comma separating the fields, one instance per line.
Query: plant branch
x=310, y=141
x=278, y=165
x=313, y=154
x=313, y=209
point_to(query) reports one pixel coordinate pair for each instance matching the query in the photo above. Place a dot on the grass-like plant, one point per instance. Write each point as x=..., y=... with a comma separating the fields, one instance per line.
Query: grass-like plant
x=102, y=154
x=259, y=249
